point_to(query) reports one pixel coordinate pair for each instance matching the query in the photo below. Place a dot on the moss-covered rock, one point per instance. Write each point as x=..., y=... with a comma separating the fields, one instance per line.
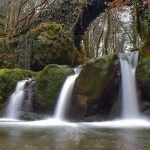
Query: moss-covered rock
x=96, y=89
x=143, y=81
x=9, y=79
x=49, y=83
x=47, y=43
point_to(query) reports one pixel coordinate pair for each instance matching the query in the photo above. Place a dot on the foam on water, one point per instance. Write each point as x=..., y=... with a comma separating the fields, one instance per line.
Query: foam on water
x=127, y=123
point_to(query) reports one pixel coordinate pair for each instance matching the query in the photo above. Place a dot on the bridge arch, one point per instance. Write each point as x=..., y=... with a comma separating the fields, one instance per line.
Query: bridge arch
x=89, y=13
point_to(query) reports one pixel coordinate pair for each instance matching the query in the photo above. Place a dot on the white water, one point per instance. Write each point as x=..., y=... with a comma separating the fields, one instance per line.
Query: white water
x=15, y=101
x=128, y=63
x=64, y=97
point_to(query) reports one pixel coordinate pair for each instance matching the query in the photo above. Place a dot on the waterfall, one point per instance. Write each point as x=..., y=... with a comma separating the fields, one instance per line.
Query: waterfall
x=128, y=62
x=65, y=95
x=16, y=100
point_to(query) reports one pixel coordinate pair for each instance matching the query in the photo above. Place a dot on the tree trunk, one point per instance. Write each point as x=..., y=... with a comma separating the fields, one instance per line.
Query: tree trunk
x=106, y=39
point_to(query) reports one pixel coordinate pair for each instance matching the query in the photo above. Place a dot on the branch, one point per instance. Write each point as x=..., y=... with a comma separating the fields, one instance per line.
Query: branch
x=32, y=12
x=20, y=7
x=124, y=29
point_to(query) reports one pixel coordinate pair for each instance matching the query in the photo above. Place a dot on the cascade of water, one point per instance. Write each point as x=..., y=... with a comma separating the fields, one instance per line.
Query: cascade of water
x=128, y=62
x=15, y=101
x=65, y=95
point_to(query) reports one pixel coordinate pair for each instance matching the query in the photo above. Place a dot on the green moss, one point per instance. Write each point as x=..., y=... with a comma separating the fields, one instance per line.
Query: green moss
x=99, y=69
x=52, y=29
x=49, y=83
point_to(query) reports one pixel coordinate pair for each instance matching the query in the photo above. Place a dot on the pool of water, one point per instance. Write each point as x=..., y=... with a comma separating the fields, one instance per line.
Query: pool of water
x=22, y=136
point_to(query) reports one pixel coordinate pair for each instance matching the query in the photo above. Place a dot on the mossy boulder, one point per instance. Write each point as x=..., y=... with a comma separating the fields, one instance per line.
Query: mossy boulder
x=48, y=86
x=96, y=89
x=9, y=79
x=143, y=82
x=47, y=43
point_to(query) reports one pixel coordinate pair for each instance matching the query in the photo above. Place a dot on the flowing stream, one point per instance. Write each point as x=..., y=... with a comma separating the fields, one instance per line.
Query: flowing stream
x=15, y=101
x=130, y=108
x=65, y=95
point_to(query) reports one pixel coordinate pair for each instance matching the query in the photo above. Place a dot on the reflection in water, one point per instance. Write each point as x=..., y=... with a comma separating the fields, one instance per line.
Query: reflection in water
x=133, y=139
x=73, y=138
x=67, y=139
x=128, y=140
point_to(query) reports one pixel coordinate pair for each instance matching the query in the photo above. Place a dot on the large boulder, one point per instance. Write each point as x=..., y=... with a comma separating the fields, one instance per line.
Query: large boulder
x=96, y=89
x=48, y=86
x=47, y=43
x=143, y=82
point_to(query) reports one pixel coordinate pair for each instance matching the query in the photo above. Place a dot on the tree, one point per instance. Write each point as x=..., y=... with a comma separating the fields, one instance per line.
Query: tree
x=17, y=14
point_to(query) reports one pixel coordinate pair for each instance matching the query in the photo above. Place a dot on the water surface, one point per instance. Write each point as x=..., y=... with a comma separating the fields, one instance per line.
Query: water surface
x=74, y=137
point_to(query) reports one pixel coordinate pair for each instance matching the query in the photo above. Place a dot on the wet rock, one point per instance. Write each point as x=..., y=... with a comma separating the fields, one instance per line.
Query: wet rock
x=143, y=82
x=48, y=86
x=96, y=89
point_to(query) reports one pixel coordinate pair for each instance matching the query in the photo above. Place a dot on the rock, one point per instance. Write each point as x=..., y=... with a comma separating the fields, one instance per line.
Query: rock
x=145, y=108
x=96, y=89
x=47, y=43
x=48, y=86
x=143, y=78
x=94, y=118
x=32, y=116
x=143, y=81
